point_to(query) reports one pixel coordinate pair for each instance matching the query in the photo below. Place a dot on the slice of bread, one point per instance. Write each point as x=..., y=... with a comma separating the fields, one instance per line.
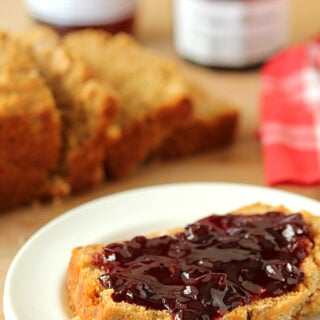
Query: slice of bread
x=86, y=106
x=30, y=127
x=91, y=301
x=154, y=99
x=212, y=125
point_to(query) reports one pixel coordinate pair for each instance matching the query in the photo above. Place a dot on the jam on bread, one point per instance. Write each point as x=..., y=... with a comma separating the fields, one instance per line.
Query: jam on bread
x=210, y=267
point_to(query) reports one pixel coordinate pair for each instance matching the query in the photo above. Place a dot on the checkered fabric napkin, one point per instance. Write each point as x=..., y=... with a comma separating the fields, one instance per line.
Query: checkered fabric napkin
x=290, y=116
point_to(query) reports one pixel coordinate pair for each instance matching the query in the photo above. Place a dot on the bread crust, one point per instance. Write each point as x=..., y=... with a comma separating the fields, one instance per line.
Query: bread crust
x=30, y=126
x=153, y=97
x=212, y=125
x=91, y=301
x=137, y=140
x=87, y=108
x=198, y=136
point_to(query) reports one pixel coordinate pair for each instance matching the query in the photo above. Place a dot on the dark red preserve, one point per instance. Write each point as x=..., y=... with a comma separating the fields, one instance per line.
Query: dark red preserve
x=211, y=267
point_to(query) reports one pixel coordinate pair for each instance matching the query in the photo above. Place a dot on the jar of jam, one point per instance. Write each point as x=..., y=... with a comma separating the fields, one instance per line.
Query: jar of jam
x=67, y=15
x=230, y=33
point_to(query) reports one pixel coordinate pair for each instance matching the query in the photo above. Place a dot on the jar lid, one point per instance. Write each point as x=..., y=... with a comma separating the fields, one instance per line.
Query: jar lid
x=80, y=12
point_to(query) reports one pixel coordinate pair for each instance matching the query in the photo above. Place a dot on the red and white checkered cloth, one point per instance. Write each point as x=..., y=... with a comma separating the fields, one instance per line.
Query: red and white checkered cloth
x=290, y=116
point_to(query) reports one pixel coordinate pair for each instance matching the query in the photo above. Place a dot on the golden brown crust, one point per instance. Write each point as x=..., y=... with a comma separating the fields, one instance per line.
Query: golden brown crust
x=90, y=301
x=20, y=185
x=87, y=108
x=154, y=100
x=30, y=126
x=199, y=135
x=139, y=138
x=212, y=125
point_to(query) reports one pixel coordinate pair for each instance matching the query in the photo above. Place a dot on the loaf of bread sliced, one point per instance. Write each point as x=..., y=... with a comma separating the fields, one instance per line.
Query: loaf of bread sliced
x=154, y=99
x=87, y=108
x=91, y=301
x=30, y=127
x=212, y=125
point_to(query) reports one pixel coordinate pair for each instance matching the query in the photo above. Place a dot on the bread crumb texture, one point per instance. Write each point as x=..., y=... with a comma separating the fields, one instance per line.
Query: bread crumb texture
x=30, y=126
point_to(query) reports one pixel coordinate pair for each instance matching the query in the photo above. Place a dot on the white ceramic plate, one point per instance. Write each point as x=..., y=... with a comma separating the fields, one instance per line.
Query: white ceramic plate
x=35, y=283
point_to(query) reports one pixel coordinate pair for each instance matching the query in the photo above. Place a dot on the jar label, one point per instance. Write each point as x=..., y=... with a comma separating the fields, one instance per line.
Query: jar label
x=232, y=33
x=80, y=12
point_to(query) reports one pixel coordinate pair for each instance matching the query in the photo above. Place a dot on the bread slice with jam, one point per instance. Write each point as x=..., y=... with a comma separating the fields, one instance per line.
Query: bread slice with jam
x=258, y=263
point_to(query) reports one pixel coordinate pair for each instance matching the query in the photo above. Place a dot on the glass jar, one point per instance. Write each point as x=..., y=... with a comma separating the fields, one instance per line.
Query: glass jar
x=67, y=15
x=230, y=33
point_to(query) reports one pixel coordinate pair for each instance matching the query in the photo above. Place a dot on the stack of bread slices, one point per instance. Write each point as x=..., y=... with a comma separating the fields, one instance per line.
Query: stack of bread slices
x=76, y=109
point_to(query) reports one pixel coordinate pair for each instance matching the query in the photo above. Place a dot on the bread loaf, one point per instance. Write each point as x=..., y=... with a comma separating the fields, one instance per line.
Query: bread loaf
x=73, y=108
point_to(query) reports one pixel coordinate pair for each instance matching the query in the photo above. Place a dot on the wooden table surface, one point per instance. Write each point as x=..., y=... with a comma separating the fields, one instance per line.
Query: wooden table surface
x=241, y=162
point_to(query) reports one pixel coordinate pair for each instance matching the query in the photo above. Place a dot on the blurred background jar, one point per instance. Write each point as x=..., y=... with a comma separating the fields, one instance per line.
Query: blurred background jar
x=67, y=15
x=230, y=33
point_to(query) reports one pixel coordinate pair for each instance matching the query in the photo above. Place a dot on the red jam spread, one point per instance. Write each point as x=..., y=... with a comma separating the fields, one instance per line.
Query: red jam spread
x=211, y=267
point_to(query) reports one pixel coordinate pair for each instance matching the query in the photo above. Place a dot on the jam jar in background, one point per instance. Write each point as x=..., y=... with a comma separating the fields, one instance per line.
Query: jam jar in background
x=230, y=33
x=67, y=15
